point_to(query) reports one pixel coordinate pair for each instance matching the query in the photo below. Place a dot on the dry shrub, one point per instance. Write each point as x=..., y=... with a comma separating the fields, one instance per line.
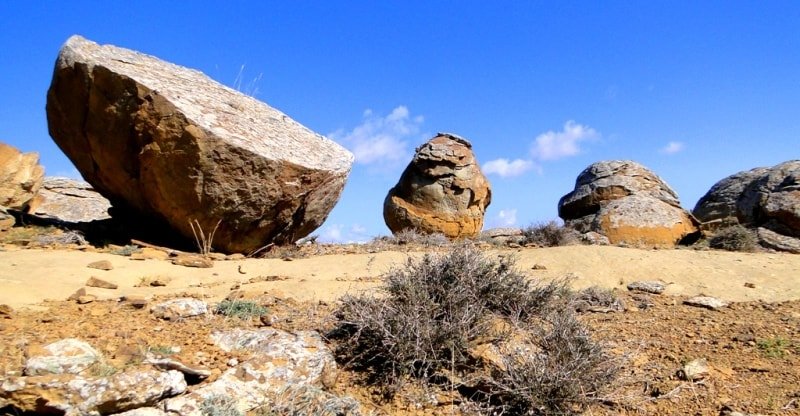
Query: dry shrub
x=598, y=297
x=549, y=234
x=410, y=236
x=433, y=310
x=734, y=238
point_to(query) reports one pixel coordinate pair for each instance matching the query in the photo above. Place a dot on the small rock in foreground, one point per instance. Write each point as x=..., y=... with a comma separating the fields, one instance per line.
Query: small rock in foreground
x=101, y=265
x=100, y=283
x=706, y=302
x=647, y=286
x=180, y=308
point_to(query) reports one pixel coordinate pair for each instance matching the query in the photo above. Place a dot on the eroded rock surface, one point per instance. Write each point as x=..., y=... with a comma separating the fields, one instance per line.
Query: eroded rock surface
x=70, y=356
x=21, y=176
x=69, y=200
x=767, y=199
x=626, y=203
x=441, y=191
x=168, y=144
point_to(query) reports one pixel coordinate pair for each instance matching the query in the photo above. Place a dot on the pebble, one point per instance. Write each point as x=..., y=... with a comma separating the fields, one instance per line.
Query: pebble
x=647, y=287
x=707, y=302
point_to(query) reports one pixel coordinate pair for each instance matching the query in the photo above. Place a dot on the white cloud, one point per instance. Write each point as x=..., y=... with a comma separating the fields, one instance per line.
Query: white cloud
x=672, y=147
x=506, y=217
x=505, y=169
x=554, y=145
x=382, y=139
x=339, y=233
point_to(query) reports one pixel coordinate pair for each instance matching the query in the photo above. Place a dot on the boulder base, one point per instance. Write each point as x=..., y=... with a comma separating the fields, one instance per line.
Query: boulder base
x=21, y=176
x=167, y=143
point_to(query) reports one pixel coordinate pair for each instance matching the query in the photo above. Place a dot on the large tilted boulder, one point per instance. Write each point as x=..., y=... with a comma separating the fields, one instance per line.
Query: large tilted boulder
x=167, y=143
x=627, y=203
x=21, y=176
x=764, y=198
x=441, y=191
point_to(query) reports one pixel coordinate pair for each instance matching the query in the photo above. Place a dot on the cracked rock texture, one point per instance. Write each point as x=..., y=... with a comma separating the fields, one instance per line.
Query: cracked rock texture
x=627, y=203
x=21, y=176
x=441, y=191
x=69, y=200
x=167, y=144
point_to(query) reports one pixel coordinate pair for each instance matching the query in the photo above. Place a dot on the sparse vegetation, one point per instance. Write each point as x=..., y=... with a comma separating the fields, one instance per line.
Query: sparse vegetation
x=411, y=236
x=304, y=400
x=549, y=234
x=434, y=310
x=598, y=297
x=241, y=309
x=203, y=241
x=774, y=347
x=219, y=405
x=734, y=238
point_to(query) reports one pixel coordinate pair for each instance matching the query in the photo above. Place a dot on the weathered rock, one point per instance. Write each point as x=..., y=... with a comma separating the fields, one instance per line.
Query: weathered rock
x=764, y=198
x=627, y=203
x=21, y=176
x=647, y=287
x=143, y=411
x=707, y=302
x=69, y=200
x=147, y=253
x=6, y=311
x=65, y=356
x=101, y=265
x=170, y=364
x=502, y=235
x=6, y=220
x=595, y=238
x=180, y=308
x=167, y=143
x=100, y=283
x=192, y=260
x=721, y=200
x=694, y=370
x=441, y=191
x=78, y=395
x=770, y=239
x=280, y=360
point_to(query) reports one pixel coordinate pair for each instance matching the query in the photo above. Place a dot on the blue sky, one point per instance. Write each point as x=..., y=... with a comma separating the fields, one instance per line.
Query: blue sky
x=694, y=90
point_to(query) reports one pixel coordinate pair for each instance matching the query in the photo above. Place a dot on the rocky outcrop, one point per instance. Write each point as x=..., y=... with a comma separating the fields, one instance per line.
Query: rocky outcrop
x=764, y=198
x=441, y=191
x=626, y=203
x=69, y=200
x=79, y=395
x=70, y=356
x=21, y=176
x=280, y=362
x=166, y=143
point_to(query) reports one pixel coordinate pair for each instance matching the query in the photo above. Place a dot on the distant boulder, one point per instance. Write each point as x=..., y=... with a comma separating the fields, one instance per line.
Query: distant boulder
x=763, y=198
x=627, y=203
x=441, y=191
x=21, y=176
x=167, y=144
x=69, y=200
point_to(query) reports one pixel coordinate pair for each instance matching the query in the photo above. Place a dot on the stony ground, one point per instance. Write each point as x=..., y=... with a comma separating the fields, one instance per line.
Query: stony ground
x=751, y=348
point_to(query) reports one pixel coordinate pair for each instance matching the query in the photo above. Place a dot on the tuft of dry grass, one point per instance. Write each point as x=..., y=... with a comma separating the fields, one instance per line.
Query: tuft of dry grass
x=734, y=238
x=549, y=234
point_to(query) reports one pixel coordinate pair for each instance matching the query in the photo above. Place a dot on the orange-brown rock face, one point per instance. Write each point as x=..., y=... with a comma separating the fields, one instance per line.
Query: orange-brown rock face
x=627, y=203
x=168, y=144
x=21, y=176
x=441, y=191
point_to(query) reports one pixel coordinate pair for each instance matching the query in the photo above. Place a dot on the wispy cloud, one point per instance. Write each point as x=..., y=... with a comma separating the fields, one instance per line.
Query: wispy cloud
x=672, y=147
x=553, y=145
x=380, y=140
x=340, y=233
x=506, y=217
x=506, y=169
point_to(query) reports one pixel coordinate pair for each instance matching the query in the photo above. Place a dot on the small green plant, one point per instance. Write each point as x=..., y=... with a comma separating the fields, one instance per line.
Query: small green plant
x=549, y=234
x=162, y=350
x=219, y=405
x=242, y=309
x=774, y=347
x=734, y=238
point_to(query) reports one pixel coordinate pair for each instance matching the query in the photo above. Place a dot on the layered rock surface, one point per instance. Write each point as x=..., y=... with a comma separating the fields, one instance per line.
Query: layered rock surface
x=167, y=143
x=767, y=199
x=441, y=191
x=626, y=203
x=69, y=200
x=21, y=176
